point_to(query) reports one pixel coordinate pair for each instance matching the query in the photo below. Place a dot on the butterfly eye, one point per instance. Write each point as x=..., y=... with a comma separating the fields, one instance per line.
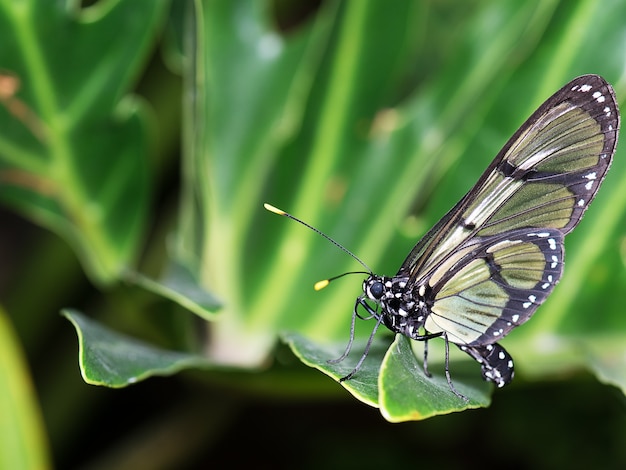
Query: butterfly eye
x=376, y=290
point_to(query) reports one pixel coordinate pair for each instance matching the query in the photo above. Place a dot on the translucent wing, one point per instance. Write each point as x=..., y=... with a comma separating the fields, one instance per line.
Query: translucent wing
x=493, y=284
x=544, y=178
x=488, y=287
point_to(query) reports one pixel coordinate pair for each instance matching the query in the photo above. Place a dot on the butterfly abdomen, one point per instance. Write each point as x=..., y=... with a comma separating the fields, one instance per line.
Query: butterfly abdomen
x=496, y=364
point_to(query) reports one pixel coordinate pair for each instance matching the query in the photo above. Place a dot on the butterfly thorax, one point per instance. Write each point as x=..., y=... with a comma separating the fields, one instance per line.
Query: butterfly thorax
x=404, y=309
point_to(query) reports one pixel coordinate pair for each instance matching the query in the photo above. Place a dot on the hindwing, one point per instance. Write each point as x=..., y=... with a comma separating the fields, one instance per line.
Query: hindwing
x=494, y=284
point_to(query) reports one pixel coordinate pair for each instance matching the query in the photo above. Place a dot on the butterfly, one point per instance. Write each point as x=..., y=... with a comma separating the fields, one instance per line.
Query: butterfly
x=489, y=263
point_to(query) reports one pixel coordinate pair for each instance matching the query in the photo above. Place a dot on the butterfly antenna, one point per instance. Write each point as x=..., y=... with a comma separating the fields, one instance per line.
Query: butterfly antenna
x=321, y=284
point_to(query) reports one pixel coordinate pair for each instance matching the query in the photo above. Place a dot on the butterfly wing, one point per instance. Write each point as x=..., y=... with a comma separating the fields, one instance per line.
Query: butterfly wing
x=491, y=285
x=545, y=176
x=496, y=256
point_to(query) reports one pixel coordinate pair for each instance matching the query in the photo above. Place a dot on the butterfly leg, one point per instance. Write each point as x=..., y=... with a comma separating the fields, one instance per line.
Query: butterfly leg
x=366, y=351
x=425, y=339
x=495, y=362
x=355, y=314
x=447, y=369
x=425, y=363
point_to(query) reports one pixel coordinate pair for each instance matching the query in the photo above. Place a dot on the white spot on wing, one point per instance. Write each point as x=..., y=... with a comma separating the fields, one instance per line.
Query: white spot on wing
x=585, y=88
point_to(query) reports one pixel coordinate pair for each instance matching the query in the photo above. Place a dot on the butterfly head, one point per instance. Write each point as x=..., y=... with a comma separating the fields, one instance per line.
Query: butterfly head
x=403, y=309
x=374, y=287
x=393, y=294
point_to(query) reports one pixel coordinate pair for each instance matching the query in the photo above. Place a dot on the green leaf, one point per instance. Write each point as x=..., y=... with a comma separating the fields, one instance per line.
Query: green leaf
x=116, y=360
x=606, y=358
x=73, y=147
x=23, y=443
x=236, y=130
x=407, y=394
x=179, y=285
x=363, y=385
x=603, y=355
x=391, y=378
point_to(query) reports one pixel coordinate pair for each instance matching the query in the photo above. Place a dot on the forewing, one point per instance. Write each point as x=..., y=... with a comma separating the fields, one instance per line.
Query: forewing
x=491, y=285
x=544, y=177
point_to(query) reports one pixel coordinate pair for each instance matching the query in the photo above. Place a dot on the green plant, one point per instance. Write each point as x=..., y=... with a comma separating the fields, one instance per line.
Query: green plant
x=368, y=122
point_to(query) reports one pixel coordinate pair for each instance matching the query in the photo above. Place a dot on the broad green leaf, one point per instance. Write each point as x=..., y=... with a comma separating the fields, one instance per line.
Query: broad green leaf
x=363, y=385
x=391, y=378
x=116, y=360
x=407, y=394
x=72, y=146
x=179, y=285
x=561, y=355
x=605, y=358
x=249, y=88
x=23, y=443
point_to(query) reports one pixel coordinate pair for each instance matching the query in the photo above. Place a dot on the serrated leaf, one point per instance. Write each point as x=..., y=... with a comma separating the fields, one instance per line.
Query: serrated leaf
x=116, y=360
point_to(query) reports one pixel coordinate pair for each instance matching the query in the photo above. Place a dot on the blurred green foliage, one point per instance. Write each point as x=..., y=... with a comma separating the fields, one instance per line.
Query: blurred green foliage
x=369, y=122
